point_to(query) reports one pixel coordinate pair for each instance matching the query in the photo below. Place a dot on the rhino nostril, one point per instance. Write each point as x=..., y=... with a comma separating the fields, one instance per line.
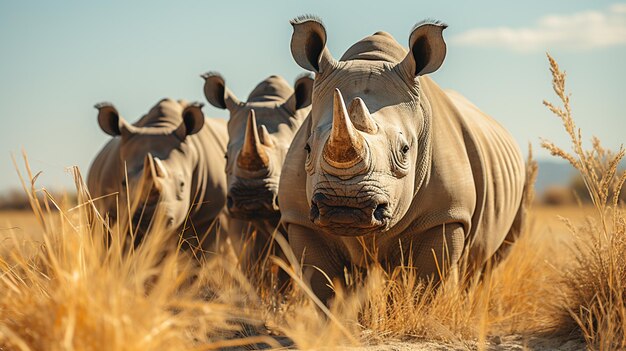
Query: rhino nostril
x=380, y=212
x=315, y=212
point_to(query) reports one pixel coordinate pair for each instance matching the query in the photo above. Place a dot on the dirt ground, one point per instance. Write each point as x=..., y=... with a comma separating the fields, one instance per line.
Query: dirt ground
x=507, y=343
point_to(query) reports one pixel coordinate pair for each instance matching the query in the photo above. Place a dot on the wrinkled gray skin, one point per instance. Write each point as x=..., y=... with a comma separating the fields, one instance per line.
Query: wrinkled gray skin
x=405, y=168
x=260, y=132
x=174, y=161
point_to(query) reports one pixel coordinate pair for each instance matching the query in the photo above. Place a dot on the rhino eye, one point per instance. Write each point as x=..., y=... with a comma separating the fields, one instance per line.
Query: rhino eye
x=307, y=147
x=400, y=157
x=124, y=183
x=226, y=157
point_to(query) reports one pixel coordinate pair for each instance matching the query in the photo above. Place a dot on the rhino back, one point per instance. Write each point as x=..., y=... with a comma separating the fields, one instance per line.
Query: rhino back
x=274, y=88
x=380, y=46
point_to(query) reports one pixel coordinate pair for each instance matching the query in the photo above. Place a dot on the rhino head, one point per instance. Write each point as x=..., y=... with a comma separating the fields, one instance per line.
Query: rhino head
x=157, y=162
x=260, y=132
x=368, y=145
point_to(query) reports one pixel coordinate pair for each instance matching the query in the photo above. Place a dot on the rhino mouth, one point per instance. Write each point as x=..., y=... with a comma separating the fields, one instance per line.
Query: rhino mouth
x=350, y=216
x=143, y=215
x=253, y=202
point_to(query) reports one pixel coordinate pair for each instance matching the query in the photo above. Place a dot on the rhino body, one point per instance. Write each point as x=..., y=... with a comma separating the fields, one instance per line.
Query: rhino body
x=406, y=172
x=171, y=159
x=260, y=131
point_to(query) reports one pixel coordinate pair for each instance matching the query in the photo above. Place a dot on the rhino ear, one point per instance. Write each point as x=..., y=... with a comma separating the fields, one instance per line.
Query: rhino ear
x=308, y=44
x=108, y=118
x=427, y=49
x=193, y=120
x=217, y=93
x=303, y=91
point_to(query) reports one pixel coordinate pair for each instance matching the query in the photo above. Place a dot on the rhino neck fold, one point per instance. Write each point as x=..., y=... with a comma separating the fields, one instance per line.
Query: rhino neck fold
x=424, y=143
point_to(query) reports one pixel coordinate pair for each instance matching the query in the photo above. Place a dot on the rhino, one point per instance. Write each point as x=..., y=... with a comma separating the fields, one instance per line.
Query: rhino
x=390, y=168
x=171, y=159
x=260, y=132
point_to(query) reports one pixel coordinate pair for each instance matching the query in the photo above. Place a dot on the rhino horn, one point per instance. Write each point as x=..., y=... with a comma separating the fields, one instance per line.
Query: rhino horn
x=265, y=137
x=152, y=171
x=160, y=169
x=252, y=156
x=345, y=146
x=149, y=187
x=360, y=116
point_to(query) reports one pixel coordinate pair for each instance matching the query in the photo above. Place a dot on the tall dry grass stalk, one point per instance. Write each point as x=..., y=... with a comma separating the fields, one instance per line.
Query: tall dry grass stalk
x=597, y=279
x=81, y=289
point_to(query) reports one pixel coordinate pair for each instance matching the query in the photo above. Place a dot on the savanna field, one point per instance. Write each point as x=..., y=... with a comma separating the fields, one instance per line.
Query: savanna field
x=69, y=284
x=450, y=187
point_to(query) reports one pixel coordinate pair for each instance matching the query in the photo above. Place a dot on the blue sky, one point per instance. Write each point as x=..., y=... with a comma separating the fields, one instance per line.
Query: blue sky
x=59, y=58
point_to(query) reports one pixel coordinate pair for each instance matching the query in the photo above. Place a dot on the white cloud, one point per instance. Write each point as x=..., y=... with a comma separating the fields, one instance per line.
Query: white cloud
x=579, y=31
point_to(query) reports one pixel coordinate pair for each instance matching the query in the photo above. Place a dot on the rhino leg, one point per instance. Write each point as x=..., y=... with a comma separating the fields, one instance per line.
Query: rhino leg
x=241, y=239
x=436, y=250
x=216, y=235
x=252, y=246
x=511, y=237
x=268, y=246
x=255, y=245
x=200, y=243
x=317, y=254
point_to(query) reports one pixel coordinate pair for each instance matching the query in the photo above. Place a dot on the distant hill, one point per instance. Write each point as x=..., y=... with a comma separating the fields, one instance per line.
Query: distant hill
x=553, y=173
x=557, y=173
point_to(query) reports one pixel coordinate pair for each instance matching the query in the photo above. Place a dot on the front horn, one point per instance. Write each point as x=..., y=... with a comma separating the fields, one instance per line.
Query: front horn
x=345, y=146
x=252, y=156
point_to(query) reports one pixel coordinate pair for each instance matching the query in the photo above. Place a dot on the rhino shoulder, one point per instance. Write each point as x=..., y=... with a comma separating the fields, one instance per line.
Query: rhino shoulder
x=217, y=129
x=292, y=190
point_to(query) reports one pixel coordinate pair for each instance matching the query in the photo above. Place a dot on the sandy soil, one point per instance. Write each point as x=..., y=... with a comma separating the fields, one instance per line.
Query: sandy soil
x=506, y=343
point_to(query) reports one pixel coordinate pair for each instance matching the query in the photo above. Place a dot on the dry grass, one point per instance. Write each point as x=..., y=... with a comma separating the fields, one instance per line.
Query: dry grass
x=72, y=290
x=597, y=280
x=75, y=292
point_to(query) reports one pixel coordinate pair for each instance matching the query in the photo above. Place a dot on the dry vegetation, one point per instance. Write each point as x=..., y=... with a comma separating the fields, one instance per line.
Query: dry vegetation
x=70, y=290
x=597, y=280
